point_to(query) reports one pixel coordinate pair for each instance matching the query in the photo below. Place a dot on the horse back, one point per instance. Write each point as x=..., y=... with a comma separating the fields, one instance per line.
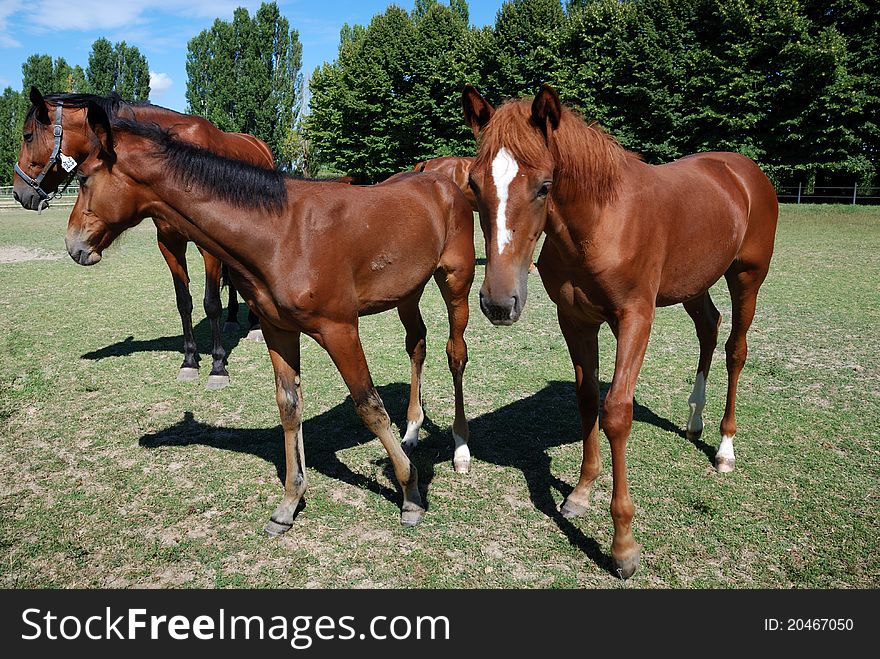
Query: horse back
x=203, y=133
x=381, y=242
x=701, y=214
x=742, y=179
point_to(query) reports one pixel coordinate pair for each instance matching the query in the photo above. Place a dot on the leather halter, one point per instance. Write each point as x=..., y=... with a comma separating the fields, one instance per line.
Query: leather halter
x=67, y=163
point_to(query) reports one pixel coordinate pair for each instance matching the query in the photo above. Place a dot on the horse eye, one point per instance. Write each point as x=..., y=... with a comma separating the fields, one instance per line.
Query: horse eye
x=82, y=179
x=28, y=137
x=544, y=190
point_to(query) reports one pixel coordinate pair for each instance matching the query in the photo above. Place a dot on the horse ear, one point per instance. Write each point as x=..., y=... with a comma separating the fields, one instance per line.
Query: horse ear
x=477, y=110
x=40, y=104
x=99, y=122
x=547, y=110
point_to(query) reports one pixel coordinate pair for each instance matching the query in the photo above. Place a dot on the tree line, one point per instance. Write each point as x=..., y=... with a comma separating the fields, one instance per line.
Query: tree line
x=794, y=84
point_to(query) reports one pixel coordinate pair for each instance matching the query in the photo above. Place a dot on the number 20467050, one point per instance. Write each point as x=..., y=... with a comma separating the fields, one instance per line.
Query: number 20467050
x=808, y=624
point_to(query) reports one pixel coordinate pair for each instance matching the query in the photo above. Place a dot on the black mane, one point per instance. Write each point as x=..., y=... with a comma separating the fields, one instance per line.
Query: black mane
x=234, y=181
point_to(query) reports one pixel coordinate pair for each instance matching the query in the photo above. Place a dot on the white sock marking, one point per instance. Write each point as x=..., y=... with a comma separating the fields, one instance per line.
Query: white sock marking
x=726, y=448
x=504, y=169
x=462, y=452
x=697, y=402
x=412, y=431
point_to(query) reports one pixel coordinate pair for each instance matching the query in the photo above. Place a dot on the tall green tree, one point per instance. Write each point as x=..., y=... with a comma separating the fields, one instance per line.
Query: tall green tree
x=50, y=75
x=12, y=109
x=120, y=68
x=245, y=76
x=525, y=48
x=392, y=97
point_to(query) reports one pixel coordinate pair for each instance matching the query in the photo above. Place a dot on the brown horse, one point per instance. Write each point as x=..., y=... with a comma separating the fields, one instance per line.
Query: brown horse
x=308, y=257
x=454, y=168
x=65, y=114
x=622, y=237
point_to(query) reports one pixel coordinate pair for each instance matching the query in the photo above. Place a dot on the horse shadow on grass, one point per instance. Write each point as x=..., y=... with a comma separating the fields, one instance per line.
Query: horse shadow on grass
x=517, y=435
x=201, y=332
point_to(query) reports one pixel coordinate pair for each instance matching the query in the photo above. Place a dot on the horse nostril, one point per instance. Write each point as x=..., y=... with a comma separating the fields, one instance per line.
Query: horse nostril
x=15, y=196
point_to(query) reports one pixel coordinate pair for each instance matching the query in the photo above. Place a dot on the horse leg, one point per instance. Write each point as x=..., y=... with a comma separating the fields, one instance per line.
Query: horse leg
x=219, y=376
x=173, y=248
x=632, y=329
x=416, y=331
x=284, y=352
x=743, y=285
x=454, y=278
x=231, y=324
x=583, y=346
x=343, y=344
x=255, y=333
x=707, y=320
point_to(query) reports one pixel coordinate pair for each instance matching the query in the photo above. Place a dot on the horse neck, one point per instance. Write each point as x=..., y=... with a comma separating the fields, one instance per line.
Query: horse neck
x=216, y=225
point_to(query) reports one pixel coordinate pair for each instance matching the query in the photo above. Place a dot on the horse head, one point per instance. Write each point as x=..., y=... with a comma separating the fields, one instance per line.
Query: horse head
x=511, y=179
x=54, y=140
x=108, y=203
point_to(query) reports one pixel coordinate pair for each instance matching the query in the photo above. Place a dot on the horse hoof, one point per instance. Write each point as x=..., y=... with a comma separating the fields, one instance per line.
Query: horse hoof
x=216, y=382
x=187, y=374
x=231, y=327
x=256, y=335
x=462, y=465
x=694, y=435
x=571, y=509
x=724, y=465
x=408, y=447
x=274, y=529
x=411, y=517
x=625, y=567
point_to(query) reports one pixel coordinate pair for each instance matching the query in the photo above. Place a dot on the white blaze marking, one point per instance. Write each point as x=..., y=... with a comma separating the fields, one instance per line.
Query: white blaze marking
x=726, y=448
x=697, y=402
x=504, y=169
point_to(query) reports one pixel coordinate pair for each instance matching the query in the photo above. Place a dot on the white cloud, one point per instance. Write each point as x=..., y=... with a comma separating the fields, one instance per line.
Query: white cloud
x=159, y=83
x=6, y=39
x=103, y=15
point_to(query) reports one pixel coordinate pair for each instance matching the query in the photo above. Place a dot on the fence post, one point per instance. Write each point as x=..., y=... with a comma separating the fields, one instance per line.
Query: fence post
x=855, y=190
x=799, y=192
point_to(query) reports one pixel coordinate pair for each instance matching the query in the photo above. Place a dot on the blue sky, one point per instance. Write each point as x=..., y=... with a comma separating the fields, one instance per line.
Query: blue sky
x=161, y=29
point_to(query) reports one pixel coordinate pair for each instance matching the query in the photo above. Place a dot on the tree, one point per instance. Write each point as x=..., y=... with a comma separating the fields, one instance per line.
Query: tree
x=51, y=76
x=244, y=76
x=524, y=51
x=12, y=110
x=392, y=97
x=120, y=68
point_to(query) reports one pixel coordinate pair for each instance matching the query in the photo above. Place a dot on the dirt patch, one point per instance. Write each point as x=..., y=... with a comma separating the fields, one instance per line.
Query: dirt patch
x=16, y=254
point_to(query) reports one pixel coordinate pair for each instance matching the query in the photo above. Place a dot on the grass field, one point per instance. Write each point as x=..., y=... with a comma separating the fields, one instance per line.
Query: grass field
x=113, y=474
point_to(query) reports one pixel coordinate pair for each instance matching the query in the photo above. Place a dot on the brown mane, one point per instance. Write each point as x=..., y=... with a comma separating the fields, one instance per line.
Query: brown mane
x=586, y=160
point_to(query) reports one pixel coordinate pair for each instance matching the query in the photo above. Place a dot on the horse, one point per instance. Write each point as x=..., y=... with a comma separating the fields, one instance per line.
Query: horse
x=454, y=168
x=56, y=138
x=622, y=238
x=308, y=257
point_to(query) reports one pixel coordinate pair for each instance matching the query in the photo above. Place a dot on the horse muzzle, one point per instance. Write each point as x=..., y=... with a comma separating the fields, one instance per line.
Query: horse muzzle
x=81, y=253
x=503, y=311
x=27, y=197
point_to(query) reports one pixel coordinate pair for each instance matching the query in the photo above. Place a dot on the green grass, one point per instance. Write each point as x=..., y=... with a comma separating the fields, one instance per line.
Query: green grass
x=112, y=473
